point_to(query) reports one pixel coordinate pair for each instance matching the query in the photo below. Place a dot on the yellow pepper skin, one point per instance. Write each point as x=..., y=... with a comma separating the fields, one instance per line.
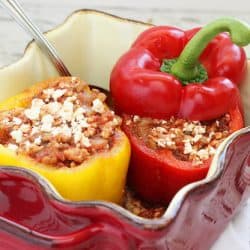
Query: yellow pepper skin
x=102, y=177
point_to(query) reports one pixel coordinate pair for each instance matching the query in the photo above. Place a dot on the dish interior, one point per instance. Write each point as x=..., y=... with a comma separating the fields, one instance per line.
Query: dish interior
x=96, y=42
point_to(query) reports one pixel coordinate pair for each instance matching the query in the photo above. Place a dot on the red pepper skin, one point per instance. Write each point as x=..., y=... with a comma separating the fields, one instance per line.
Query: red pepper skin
x=163, y=41
x=157, y=176
x=206, y=100
x=139, y=87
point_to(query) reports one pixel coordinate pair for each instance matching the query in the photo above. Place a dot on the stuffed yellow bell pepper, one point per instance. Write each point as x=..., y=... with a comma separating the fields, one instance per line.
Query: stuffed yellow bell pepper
x=63, y=130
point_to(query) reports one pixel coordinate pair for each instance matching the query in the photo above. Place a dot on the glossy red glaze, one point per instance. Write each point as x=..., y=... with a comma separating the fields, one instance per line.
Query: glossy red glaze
x=33, y=218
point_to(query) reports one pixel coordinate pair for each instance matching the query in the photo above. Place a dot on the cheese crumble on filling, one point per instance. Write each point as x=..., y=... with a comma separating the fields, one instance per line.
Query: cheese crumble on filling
x=191, y=141
x=64, y=125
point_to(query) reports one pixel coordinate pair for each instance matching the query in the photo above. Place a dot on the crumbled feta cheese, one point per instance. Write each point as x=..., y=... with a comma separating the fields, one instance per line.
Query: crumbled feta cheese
x=53, y=107
x=71, y=99
x=48, y=92
x=32, y=113
x=170, y=143
x=38, y=140
x=203, y=154
x=34, y=130
x=211, y=135
x=199, y=130
x=37, y=103
x=17, y=135
x=84, y=123
x=58, y=93
x=98, y=106
x=27, y=145
x=77, y=133
x=66, y=130
x=172, y=136
x=85, y=141
x=47, y=119
x=25, y=128
x=160, y=130
x=115, y=122
x=47, y=122
x=211, y=150
x=85, y=109
x=66, y=111
x=187, y=147
x=17, y=121
x=161, y=142
x=56, y=131
x=80, y=118
x=136, y=118
x=188, y=127
x=78, y=112
x=197, y=137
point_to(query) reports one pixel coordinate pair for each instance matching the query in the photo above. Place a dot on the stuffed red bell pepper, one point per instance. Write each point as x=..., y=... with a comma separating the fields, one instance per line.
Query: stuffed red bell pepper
x=178, y=93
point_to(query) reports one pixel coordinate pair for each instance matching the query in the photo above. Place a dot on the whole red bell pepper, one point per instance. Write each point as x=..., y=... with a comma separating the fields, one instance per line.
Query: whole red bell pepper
x=187, y=74
x=149, y=80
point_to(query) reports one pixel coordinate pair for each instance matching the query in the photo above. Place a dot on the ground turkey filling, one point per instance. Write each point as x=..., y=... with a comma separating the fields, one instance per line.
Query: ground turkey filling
x=64, y=125
x=191, y=141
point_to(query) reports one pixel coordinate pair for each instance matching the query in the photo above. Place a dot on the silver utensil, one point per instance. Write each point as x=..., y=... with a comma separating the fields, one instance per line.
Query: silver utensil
x=17, y=12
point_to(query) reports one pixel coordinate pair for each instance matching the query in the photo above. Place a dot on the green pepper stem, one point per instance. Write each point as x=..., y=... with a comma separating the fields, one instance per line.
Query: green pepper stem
x=186, y=66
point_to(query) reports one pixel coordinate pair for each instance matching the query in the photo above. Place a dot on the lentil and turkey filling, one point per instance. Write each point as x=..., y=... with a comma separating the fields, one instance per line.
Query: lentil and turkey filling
x=64, y=125
x=141, y=208
x=191, y=141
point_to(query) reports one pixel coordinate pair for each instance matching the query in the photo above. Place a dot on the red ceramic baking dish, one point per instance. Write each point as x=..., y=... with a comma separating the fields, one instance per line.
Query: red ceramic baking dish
x=34, y=216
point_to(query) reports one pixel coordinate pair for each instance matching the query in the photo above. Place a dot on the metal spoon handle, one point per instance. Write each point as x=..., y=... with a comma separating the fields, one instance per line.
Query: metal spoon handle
x=17, y=12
